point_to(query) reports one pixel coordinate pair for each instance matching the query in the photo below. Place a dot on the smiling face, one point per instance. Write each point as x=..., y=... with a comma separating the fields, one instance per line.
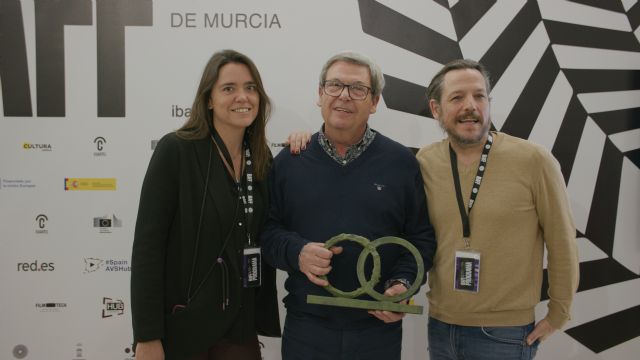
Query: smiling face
x=234, y=98
x=463, y=111
x=343, y=115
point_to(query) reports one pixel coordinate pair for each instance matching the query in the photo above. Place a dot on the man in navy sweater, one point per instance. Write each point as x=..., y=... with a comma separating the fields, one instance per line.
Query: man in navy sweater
x=350, y=179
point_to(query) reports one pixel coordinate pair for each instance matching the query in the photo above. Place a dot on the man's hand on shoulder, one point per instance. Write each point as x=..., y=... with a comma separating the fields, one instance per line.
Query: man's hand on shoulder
x=298, y=141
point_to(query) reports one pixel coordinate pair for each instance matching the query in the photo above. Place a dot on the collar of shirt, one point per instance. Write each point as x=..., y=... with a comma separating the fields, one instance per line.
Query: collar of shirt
x=352, y=152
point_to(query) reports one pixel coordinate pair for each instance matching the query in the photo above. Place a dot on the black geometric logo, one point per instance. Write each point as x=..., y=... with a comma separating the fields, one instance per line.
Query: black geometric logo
x=99, y=141
x=555, y=48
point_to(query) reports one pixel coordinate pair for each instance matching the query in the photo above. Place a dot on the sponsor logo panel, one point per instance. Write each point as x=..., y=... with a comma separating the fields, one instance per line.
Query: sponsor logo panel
x=106, y=223
x=36, y=147
x=72, y=184
x=92, y=265
x=51, y=306
x=100, y=145
x=41, y=224
x=112, y=307
x=35, y=266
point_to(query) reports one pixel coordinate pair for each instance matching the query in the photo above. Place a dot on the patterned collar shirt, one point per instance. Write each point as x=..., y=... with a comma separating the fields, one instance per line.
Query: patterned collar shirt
x=352, y=152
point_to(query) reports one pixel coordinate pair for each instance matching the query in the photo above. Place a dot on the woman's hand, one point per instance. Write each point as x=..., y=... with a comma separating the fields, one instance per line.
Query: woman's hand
x=298, y=141
x=149, y=350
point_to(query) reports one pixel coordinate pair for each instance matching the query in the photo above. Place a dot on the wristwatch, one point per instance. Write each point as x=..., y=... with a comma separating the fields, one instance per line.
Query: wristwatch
x=389, y=283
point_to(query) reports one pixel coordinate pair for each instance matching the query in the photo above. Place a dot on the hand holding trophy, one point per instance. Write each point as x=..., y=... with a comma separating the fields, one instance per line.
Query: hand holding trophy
x=388, y=303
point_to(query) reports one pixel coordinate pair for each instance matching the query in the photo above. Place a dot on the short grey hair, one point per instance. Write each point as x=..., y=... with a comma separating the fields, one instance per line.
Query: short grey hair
x=377, y=78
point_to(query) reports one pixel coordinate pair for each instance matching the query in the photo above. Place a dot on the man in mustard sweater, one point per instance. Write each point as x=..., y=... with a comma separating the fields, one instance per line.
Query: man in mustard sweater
x=495, y=202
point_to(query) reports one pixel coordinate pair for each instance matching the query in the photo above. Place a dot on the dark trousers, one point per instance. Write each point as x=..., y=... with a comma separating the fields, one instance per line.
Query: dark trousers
x=306, y=338
x=225, y=350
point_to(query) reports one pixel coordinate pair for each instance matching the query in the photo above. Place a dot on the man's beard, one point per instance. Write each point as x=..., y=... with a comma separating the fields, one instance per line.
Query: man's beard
x=467, y=141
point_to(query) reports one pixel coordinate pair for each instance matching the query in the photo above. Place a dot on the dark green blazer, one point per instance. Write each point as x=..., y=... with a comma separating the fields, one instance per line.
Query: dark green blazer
x=164, y=247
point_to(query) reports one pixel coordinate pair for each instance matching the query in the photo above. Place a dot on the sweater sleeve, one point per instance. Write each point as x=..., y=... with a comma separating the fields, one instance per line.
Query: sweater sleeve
x=556, y=222
x=417, y=228
x=280, y=247
x=158, y=203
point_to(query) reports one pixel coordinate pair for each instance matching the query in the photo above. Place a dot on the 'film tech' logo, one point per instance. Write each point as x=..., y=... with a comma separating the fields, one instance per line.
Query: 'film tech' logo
x=111, y=307
x=100, y=141
x=50, y=306
x=106, y=223
x=41, y=224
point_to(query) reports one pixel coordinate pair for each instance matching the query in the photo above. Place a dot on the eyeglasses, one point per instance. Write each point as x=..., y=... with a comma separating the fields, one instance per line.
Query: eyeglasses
x=356, y=91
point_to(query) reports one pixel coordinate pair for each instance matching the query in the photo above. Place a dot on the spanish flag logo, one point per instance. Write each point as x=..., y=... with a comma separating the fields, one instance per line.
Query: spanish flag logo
x=89, y=184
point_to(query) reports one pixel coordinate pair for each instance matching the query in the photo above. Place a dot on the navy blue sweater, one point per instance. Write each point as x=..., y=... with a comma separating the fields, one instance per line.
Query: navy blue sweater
x=313, y=198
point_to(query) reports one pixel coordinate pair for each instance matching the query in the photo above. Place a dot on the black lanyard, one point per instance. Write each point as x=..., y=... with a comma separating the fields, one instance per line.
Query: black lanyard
x=466, y=229
x=245, y=194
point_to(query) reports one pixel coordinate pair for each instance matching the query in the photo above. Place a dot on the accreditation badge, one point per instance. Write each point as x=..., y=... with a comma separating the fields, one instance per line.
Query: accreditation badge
x=467, y=271
x=251, y=267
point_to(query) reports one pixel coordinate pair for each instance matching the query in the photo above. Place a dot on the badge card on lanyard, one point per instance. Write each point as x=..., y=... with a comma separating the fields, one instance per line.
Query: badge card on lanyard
x=251, y=254
x=467, y=262
x=467, y=273
x=251, y=267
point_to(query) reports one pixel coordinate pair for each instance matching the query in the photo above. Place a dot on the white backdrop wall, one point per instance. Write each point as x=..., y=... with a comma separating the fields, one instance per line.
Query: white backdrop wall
x=87, y=86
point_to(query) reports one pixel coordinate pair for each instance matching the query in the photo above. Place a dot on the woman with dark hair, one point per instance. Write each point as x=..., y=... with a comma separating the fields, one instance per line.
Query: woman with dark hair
x=199, y=289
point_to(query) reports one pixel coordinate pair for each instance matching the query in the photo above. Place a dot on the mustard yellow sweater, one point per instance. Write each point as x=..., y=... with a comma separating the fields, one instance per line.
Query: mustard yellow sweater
x=521, y=207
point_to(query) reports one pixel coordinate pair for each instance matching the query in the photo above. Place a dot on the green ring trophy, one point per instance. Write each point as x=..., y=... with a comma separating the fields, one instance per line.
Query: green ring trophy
x=388, y=303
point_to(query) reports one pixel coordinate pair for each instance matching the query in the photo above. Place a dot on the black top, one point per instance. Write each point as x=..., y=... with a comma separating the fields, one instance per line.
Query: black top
x=163, y=254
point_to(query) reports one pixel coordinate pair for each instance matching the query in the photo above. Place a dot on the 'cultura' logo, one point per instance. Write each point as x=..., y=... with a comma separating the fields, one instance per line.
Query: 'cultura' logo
x=41, y=147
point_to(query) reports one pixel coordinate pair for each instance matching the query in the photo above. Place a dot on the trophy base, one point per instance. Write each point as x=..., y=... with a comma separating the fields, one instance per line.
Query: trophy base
x=364, y=304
